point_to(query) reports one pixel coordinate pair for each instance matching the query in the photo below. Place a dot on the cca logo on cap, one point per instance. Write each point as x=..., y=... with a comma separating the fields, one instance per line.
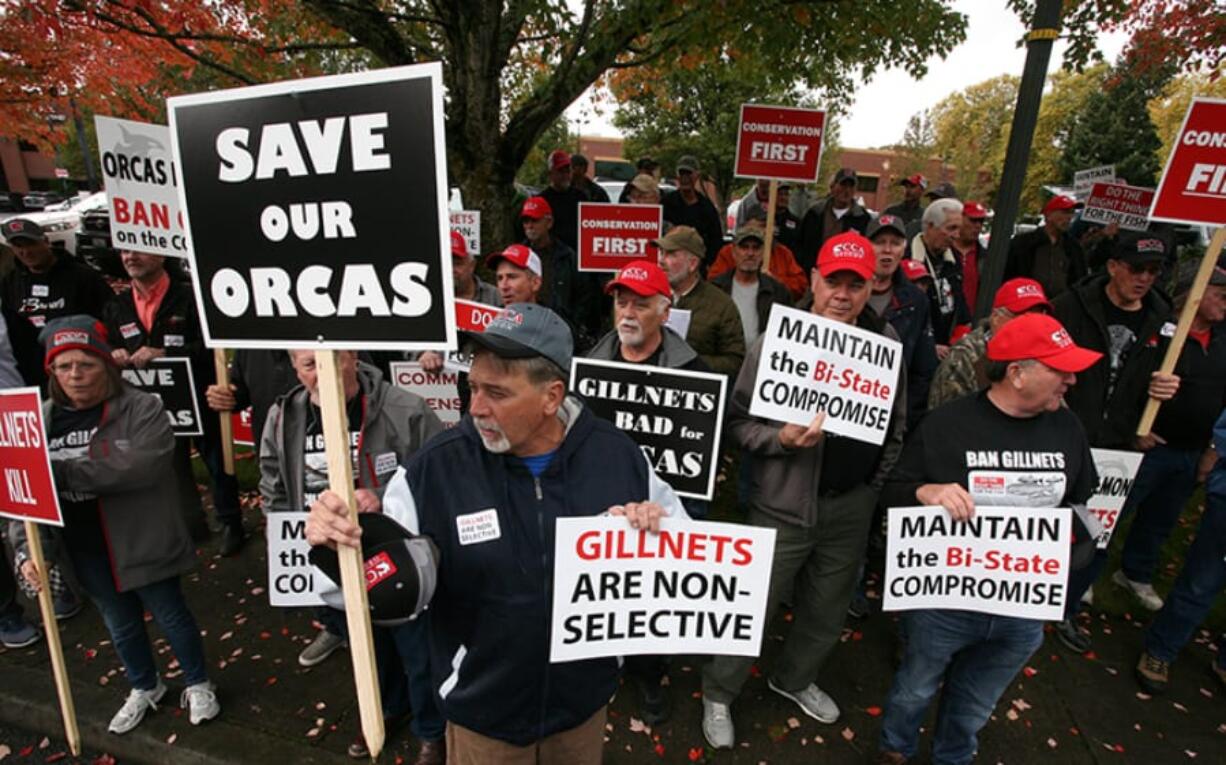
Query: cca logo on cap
x=847, y=250
x=65, y=337
x=636, y=273
x=1061, y=338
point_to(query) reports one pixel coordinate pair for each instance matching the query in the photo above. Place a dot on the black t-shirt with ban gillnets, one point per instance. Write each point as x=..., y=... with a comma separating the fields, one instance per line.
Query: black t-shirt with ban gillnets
x=68, y=437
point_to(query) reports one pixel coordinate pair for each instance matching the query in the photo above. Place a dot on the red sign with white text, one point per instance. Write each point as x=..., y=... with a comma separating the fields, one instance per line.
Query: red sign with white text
x=1193, y=186
x=1118, y=203
x=28, y=491
x=473, y=317
x=240, y=427
x=780, y=142
x=612, y=235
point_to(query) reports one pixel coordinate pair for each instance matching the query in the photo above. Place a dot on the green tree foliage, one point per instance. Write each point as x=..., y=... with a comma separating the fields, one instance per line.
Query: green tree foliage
x=970, y=132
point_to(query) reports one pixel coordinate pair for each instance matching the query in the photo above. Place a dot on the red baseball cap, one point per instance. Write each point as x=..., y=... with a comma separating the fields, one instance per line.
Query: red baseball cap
x=1040, y=337
x=974, y=211
x=848, y=251
x=536, y=208
x=558, y=159
x=914, y=270
x=1061, y=202
x=914, y=180
x=642, y=277
x=517, y=255
x=1020, y=295
x=459, y=248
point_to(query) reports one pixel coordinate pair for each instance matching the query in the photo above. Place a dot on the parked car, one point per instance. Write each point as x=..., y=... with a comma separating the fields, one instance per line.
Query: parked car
x=40, y=200
x=61, y=221
x=94, y=245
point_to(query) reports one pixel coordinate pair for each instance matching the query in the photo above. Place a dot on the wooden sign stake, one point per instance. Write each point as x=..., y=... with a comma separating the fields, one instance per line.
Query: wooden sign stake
x=1207, y=265
x=769, y=241
x=227, y=425
x=52, y=630
x=353, y=575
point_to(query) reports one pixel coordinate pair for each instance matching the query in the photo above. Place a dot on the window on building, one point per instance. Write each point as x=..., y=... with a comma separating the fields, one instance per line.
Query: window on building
x=866, y=184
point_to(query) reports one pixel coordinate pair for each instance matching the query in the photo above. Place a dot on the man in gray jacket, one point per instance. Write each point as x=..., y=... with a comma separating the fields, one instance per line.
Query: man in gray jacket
x=386, y=426
x=818, y=492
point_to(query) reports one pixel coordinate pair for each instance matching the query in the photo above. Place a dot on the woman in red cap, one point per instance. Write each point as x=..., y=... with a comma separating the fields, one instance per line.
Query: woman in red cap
x=111, y=448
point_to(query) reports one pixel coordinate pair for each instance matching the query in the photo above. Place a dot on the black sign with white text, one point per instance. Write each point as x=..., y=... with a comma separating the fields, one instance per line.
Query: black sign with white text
x=316, y=211
x=673, y=415
x=171, y=380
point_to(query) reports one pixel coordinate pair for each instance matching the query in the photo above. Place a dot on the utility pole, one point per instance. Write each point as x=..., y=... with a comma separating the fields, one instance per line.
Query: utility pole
x=1044, y=29
x=90, y=175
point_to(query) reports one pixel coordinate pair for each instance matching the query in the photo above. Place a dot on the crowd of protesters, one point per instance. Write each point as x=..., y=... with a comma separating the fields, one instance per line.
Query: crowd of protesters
x=1065, y=360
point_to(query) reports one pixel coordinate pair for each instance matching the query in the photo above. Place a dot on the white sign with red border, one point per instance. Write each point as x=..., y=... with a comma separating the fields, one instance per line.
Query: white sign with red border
x=612, y=235
x=1193, y=185
x=467, y=223
x=779, y=142
x=439, y=389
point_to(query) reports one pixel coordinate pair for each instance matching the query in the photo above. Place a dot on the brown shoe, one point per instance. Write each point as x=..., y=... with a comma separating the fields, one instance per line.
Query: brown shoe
x=432, y=753
x=1153, y=674
x=890, y=758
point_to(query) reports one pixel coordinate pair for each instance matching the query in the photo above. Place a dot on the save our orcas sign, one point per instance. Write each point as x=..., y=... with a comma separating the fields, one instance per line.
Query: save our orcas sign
x=673, y=415
x=316, y=211
x=172, y=381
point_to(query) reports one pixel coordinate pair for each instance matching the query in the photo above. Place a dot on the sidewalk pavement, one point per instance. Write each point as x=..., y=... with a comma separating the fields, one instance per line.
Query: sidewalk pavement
x=1063, y=708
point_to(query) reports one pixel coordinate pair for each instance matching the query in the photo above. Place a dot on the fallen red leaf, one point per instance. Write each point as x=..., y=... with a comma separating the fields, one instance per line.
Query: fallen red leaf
x=873, y=711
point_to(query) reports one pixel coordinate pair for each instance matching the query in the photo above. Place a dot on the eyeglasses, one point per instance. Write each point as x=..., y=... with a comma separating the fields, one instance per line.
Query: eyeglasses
x=1153, y=269
x=68, y=367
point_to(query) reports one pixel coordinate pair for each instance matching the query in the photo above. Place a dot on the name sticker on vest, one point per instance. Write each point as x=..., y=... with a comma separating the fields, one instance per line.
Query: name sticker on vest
x=385, y=463
x=475, y=528
x=172, y=341
x=40, y=290
x=1168, y=329
x=129, y=330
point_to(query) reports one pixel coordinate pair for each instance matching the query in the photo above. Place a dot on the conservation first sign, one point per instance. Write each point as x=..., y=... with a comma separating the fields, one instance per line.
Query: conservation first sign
x=612, y=235
x=673, y=415
x=141, y=187
x=779, y=142
x=317, y=211
x=693, y=588
x=171, y=380
x=1008, y=561
x=810, y=364
x=1193, y=185
x=29, y=490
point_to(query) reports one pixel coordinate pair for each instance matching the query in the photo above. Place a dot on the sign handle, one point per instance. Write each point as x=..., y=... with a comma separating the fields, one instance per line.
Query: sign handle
x=52, y=630
x=769, y=241
x=353, y=576
x=1207, y=265
x=227, y=426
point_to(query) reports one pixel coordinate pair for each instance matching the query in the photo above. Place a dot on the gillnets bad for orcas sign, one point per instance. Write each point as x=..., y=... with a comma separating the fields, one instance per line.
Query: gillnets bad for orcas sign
x=317, y=211
x=1008, y=561
x=673, y=415
x=692, y=588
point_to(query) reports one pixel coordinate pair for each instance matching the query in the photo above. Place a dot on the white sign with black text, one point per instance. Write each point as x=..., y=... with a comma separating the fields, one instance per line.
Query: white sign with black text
x=1116, y=472
x=292, y=580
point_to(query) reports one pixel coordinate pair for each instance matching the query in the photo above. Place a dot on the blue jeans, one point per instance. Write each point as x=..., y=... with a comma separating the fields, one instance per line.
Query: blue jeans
x=1165, y=481
x=1202, y=579
x=124, y=616
x=976, y=655
x=1163, y=487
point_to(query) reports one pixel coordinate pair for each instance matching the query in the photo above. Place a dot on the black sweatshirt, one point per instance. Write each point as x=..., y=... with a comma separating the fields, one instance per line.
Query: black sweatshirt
x=1186, y=421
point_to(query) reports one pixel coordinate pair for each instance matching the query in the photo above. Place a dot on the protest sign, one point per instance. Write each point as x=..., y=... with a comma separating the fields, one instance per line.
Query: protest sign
x=1084, y=180
x=440, y=390
x=1116, y=472
x=468, y=224
x=29, y=495
x=679, y=321
x=240, y=425
x=673, y=415
x=1116, y=203
x=470, y=317
x=1008, y=561
x=612, y=235
x=302, y=230
x=29, y=489
x=171, y=380
x=811, y=364
x=292, y=580
x=783, y=143
x=693, y=588
x=140, y=180
x=1193, y=185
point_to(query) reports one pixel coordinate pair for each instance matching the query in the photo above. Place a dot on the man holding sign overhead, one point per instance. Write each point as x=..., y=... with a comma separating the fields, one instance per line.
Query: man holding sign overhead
x=1013, y=444
x=816, y=489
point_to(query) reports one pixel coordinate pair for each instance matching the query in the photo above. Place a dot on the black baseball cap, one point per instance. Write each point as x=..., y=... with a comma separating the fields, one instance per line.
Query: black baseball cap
x=845, y=174
x=22, y=228
x=1145, y=248
x=885, y=222
x=944, y=190
x=401, y=572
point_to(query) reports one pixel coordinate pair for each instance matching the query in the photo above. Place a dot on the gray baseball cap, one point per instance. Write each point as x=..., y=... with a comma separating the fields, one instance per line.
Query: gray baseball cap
x=524, y=330
x=687, y=162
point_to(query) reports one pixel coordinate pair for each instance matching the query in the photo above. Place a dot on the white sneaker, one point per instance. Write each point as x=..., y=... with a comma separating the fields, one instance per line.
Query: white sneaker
x=1088, y=598
x=717, y=724
x=135, y=707
x=1145, y=592
x=812, y=700
x=201, y=702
